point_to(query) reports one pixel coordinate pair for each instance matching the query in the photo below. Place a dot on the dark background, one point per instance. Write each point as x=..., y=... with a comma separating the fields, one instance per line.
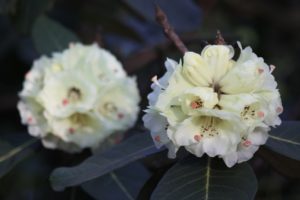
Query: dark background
x=128, y=29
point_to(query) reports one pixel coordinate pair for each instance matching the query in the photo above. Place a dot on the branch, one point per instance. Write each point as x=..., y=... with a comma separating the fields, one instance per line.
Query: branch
x=162, y=19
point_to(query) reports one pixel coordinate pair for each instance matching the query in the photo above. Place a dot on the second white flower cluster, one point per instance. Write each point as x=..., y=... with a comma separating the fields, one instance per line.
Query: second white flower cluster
x=78, y=98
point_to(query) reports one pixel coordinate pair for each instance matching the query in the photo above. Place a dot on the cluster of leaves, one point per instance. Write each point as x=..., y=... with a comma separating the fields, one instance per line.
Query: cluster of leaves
x=116, y=174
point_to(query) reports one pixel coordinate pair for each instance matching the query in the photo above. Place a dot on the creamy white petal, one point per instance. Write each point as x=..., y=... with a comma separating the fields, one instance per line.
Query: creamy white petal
x=68, y=92
x=219, y=60
x=197, y=98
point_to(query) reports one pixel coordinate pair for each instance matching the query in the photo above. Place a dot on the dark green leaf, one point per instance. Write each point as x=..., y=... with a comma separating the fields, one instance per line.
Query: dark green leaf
x=285, y=139
x=284, y=165
x=10, y=156
x=124, y=183
x=132, y=149
x=27, y=11
x=8, y=6
x=206, y=179
x=49, y=36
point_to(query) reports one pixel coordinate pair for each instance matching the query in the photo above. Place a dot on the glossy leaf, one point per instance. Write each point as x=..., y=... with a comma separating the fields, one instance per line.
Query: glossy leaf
x=134, y=148
x=124, y=183
x=10, y=155
x=206, y=179
x=285, y=139
x=49, y=36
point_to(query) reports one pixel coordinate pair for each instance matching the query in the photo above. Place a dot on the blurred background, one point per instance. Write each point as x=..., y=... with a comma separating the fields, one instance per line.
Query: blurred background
x=128, y=29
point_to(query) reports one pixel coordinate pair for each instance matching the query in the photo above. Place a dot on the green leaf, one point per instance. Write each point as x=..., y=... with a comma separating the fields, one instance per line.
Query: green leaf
x=25, y=12
x=119, y=184
x=10, y=156
x=206, y=179
x=134, y=148
x=285, y=139
x=49, y=36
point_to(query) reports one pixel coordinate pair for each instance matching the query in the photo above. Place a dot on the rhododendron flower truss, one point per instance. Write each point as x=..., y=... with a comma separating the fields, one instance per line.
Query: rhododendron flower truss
x=78, y=98
x=212, y=104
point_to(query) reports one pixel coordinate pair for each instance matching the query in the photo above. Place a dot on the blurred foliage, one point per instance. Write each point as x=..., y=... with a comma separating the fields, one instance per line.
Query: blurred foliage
x=128, y=29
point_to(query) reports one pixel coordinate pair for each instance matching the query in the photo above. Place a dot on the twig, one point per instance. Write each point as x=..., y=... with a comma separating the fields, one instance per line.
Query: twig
x=219, y=38
x=162, y=19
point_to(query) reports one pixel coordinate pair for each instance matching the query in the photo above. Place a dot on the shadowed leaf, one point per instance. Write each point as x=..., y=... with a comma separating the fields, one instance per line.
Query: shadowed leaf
x=134, y=148
x=285, y=139
x=25, y=12
x=206, y=179
x=49, y=36
x=10, y=155
x=123, y=183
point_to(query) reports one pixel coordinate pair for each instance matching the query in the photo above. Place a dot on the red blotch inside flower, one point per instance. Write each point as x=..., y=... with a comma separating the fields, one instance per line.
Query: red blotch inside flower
x=261, y=114
x=196, y=104
x=157, y=138
x=197, y=138
x=71, y=130
x=260, y=70
x=247, y=143
x=120, y=115
x=279, y=109
x=65, y=102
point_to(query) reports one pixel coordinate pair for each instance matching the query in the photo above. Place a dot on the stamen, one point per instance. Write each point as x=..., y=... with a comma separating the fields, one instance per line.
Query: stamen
x=74, y=94
x=247, y=143
x=155, y=81
x=196, y=104
x=279, y=109
x=272, y=68
x=110, y=107
x=197, y=138
x=209, y=128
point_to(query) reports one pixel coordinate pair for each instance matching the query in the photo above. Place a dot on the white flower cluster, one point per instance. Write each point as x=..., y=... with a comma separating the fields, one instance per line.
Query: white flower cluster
x=213, y=104
x=78, y=98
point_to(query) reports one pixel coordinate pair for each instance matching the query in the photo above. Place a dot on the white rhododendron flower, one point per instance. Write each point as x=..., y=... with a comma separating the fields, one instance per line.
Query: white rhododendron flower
x=215, y=105
x=78, y=98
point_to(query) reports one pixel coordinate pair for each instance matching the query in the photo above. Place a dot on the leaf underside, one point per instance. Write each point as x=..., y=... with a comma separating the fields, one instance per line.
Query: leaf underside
x=11, y=156
x=206, y=179
x=134, y=148
x=285, y=139
x=123, y=183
